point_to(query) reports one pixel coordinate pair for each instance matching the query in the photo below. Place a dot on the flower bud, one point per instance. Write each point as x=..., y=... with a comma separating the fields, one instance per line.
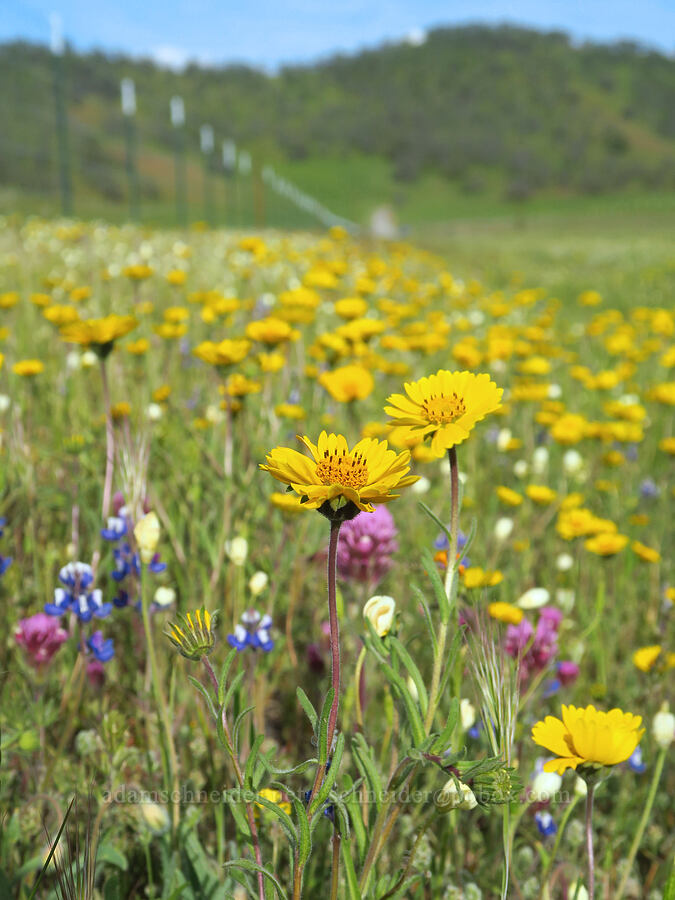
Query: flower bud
x=155, y=817
x=380, y=612
x=467, y=713
x=503, y=528
x=155, y=412
x=545, y=786
x=564, y=562
x=450, y=797
x=89, y=359
x=258, y=582
x=412, y=687
x=520, y=468
x=534, y=598
x=237, y=550
x=663, y=727
x=539, y=460
x=146, y=533
x=421, y=486
x=573, y=462
x=5, y=403
x=164, y=596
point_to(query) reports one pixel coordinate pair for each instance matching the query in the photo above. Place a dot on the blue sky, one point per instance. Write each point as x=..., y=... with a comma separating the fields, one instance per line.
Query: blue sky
x=269, y=32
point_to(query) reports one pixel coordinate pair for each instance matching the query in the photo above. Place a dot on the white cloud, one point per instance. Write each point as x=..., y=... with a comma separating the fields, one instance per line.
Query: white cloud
x=170, y=57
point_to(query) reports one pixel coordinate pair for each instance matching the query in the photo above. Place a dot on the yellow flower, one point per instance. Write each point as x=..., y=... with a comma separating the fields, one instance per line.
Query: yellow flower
x=99, y=333
x=588, y=737
x=335, y=476
x=647, y=554
x=289, y=411
x=61, y=314
x=271, y=331
x=176, y=277
x=238, y=385
x=475, y=577
x=193, y=639
x=226, y=353
x=146, y=533
x=28, y=367
x=541, y=494
x=506, y=612
x=273, y=796
x=667, y=445
x=569, y=429
x=138, y=272
x=139, y=347
x=348, y=383
x=444, y=407
x=645, y=657
x=606, y=544
x=508, y=496
x=120, y=410
x=9, y=299
x=271, y=362
x=40, y=299
x=287, y=502
x=351, y=307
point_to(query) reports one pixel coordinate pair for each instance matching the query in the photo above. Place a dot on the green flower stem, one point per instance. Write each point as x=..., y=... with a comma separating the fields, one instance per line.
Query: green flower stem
x=171, y=763
x=646, y=812
x=240, y=781
x=556, y=845
x=589, y=840
x=109, y=442
x=357, y=687
x=450, y=570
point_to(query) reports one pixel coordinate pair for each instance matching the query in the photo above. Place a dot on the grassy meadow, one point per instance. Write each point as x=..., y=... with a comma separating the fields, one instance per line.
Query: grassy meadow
x=145, y=376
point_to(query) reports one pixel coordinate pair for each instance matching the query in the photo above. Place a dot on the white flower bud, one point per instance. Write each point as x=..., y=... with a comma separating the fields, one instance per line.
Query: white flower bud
x=155, y=412
x=258, y=582
x=380, y=612
x=580, y=787
x=564, y=562
x=421, y=486
x=164, y=596
x=237, y=550
x=663, y=727
x=534, y=598
x=73, y=361
x=573, y=462
x=520, y=468
x=504, y=438
x=467, y=712
x=155, y=817
x=503, y=528
x=578, y=891
x=214, y=414
x=451, y=798
x=554, y=391
x=5, y=403
x=412, y=687
x=545, y=786
x=89, y=359
x=539, y=460
x=564, y=597
x=146, y=533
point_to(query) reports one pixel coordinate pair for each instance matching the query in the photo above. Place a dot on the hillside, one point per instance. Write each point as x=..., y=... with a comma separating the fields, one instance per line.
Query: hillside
x=478, y=112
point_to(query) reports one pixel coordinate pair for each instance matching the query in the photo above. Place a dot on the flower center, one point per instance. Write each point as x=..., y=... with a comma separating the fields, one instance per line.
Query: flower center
x=442, y=410
x=346, y=469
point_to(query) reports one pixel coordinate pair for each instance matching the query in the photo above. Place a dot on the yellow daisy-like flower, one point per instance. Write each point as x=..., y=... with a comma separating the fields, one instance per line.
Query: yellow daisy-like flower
x=100, y=334
x=271, y=331
x=588, y=737
x=475, y=577
x=647, y=554
x=606, y=543
x=645, y=658
x=444, y=407
x=273, y=796
x=193, y=635
x=28, y=367
x=505, y=612
x=225, y=353
x=336, y=476
x=509, y=496
x=540, y=493
x=348, y=383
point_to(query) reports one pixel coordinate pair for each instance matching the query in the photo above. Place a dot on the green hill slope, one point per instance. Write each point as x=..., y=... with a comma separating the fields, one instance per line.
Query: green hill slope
x=475, y=116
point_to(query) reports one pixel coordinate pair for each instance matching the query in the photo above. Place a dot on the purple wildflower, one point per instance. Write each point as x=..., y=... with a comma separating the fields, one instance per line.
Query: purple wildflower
x=366, y=545
x=40, y=636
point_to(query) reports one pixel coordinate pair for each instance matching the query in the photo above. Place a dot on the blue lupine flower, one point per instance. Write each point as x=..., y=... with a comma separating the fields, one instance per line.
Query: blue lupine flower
x=5, y=563
x=117, y=528
x=635, y=761
x=102, y=649
x=128, y=562
x=475, y=730
x=545, y=823
x=76, y=596
x=552, y=687
x=254, y=632
x=649, y=489
x=3, y=522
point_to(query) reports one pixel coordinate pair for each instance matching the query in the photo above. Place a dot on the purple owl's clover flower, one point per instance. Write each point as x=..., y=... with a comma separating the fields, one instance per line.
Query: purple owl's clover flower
x=535, y=647
x=40, y=636
x=365, y=547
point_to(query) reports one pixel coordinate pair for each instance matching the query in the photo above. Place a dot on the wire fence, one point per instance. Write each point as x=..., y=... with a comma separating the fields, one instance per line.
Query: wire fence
x=55, y=159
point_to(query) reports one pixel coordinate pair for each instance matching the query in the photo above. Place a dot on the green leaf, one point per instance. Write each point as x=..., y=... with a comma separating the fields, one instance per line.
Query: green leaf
x=236, y=681
x=431, y=569
x=428, y=620
x=331, y=775
x=110, y=854
x=432, y=515
x=411, y=708
x=353, y=891
x=413, y=671
x=296, y=770
x=442, y=742
x=249, y=866
x=238, y=723
x=284, y=819
x=251, y=761
x=351, y=799
x=52, y=850
x=669, y=892
x=205, y=694
x=304, y=833
x=222, y=681
x=450, y=656
x=308, y=707
x=363, y=757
